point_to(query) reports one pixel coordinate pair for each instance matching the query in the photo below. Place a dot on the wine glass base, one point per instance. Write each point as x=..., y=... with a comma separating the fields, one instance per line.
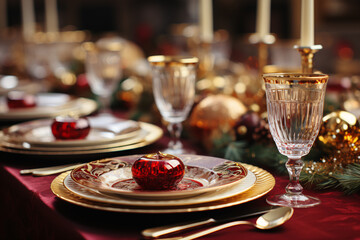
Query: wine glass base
x=293, y=200
x=176, y=151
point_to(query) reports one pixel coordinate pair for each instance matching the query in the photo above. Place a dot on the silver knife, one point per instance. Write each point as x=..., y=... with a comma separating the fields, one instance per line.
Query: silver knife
x=163, y=230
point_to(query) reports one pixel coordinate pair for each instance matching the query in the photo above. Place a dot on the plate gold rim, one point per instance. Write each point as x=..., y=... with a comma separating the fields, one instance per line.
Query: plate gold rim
x=264, y=183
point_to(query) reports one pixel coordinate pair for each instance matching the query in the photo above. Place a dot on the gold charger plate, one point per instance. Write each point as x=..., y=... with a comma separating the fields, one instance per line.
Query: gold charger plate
x=153, y=133
x=264, y=183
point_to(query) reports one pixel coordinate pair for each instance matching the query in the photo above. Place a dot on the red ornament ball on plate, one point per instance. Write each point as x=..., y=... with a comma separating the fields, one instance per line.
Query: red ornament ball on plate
x=18, y=99
x=70, y=128
x=158, y=171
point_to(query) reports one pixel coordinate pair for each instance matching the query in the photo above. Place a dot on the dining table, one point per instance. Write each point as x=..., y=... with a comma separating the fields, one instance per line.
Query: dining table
x=30, y=210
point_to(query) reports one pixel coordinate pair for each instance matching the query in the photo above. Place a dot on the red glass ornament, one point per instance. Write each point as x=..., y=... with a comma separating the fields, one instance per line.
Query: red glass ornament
x=17, y=99
x=70, y=128
x=158, y=171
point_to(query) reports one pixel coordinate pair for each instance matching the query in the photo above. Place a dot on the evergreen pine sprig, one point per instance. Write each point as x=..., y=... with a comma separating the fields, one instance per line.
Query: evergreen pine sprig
x=349, y=181
x=268, y=156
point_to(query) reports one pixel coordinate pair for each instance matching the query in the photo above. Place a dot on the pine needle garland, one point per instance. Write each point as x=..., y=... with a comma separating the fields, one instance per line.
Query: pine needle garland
x=349, y=181
x=316, y=173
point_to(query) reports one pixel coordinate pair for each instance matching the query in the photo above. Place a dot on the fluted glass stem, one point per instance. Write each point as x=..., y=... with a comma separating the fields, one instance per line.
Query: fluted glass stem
x=294, y=167
x=105, y=102
x=175, y=130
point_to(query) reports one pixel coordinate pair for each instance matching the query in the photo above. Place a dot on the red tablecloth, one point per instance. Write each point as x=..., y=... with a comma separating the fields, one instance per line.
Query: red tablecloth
x=29, y=210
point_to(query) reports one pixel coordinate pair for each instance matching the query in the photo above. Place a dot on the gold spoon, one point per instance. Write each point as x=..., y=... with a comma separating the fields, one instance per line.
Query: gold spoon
x=271, y=219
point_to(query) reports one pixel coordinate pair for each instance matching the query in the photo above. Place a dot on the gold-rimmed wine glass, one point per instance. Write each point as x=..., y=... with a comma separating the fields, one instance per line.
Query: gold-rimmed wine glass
x=174, y=92
x=295, y=104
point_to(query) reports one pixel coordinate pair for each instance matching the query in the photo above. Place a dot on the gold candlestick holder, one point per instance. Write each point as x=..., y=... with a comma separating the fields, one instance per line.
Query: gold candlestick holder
x=262, y=43
x=213, y=58
x=307, y=55
x=204, y=53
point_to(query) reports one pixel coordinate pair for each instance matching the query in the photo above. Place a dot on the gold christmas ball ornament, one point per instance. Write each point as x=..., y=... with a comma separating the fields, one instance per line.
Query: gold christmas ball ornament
x=339, y=129
x=340, y=120
x=217, y=111
x=338, y=137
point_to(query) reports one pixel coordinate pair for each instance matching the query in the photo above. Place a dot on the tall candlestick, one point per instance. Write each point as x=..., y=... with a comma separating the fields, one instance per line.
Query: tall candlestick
x=28, y=18
x=52, y=24
x=307, y=23
x=263, y=18
x=206, y=21
x=3, y=14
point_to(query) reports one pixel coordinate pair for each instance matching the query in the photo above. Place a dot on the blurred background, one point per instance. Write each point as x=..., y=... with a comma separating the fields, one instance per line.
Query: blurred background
x=49, y=55
x=54, y=60
x=149, y=23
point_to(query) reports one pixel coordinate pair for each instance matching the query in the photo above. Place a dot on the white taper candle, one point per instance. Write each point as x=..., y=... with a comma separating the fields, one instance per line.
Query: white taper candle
x=206, y=20
x=28, y=18
x=307, y=23
x=263, y=18
x=52, y=22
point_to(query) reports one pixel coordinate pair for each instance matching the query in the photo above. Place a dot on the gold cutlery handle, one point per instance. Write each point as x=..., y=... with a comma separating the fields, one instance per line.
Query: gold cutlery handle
x=209, y=231
x=49, y=170
x=54, y=171
x=159, y=231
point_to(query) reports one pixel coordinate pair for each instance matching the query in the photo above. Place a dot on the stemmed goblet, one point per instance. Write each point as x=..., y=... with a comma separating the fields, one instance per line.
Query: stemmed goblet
x=295, y=105
x=103, y=70
x=174, y=91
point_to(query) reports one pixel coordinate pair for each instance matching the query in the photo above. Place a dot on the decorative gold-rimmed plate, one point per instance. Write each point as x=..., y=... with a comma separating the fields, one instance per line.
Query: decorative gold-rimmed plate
x=152, y=134
x=202, y=174
x=48, y=105
x=97, y=196
x=104, y=129
x=264, y=183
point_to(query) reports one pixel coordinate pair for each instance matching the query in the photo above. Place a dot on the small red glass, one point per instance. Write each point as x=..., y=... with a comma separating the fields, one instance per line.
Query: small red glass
x=70, y=127
x=158, y=171
x=18, y=99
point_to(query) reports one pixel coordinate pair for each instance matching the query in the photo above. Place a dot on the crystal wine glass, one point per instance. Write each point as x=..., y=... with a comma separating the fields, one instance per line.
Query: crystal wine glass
x=103, y=70
x=174, y=91
x=295, y=105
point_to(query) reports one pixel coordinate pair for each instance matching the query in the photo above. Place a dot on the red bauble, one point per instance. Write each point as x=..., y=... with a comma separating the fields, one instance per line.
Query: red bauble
x=70, y=128
x=17, y=99
x=252, y=128
x=158, y=171
x=246, y=125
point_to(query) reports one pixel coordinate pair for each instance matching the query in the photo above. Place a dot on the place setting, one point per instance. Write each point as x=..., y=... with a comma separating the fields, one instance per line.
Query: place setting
x=10, y=83
x=19, y=106
x=66, y=135
x=205, y=183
